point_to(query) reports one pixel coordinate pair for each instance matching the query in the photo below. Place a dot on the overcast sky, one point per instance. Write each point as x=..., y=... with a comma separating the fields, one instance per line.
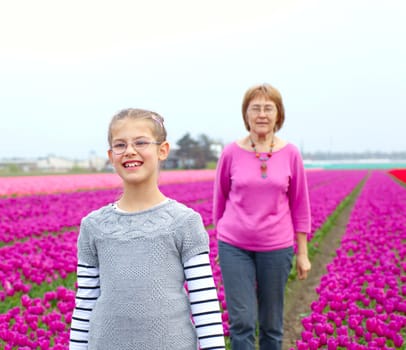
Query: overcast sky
x=67, y=66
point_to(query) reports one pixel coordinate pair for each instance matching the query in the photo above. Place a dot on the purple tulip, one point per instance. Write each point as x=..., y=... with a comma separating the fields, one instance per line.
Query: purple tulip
x=332, y=344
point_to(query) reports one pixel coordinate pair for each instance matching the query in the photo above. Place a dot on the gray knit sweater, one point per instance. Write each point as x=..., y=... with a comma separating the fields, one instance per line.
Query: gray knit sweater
x=140, y=256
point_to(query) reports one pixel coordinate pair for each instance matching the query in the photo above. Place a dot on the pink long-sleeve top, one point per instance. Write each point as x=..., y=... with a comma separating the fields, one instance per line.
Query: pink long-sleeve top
x=255, y=213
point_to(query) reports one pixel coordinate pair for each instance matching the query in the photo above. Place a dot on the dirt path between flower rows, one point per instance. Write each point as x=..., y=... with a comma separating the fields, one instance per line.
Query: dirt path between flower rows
x=300, y=294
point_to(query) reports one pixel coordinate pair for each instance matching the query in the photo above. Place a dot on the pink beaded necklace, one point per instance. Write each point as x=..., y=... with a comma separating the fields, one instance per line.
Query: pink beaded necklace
x=263, y=158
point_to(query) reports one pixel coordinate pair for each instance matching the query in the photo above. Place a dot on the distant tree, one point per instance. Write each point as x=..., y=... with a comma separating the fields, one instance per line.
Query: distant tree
x=186, y=151
x=207, y=150
x=195, y=153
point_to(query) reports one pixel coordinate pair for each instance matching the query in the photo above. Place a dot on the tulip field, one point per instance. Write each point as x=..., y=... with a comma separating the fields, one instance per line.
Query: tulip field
x=361, y=300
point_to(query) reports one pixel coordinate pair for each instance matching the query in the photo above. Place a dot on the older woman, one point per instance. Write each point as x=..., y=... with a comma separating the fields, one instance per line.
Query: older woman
x=261, y=207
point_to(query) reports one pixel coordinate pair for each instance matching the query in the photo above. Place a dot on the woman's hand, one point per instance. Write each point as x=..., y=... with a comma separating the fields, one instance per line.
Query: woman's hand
x=303, y=266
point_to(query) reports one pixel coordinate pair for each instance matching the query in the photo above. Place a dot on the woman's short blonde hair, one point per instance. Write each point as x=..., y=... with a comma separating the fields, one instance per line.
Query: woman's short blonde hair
x=268, y=92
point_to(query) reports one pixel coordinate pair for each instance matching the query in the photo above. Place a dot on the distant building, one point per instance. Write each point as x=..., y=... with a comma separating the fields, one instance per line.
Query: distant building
x=54, y=164
x=22, y=164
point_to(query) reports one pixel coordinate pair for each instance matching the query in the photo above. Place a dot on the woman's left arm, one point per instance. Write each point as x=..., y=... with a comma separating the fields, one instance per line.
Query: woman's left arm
x=303, y=264
x=299, y=203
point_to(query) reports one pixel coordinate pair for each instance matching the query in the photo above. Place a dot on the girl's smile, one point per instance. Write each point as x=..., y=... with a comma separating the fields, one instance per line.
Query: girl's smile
x=132, y=164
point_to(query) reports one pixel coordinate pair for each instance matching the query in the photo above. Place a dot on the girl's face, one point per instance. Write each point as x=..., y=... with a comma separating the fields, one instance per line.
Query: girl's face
x=262, y=115
x=135, y=159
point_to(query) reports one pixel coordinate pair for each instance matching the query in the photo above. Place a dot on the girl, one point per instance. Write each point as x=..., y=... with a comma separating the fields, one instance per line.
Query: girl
x=135, y=255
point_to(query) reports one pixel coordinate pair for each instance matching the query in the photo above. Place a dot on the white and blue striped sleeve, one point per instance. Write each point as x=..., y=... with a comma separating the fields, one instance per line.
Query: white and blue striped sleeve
x=87, y=294
x=204, y=302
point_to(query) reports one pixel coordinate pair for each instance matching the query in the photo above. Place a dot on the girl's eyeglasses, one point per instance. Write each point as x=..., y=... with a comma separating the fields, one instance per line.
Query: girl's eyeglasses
x=120, y=147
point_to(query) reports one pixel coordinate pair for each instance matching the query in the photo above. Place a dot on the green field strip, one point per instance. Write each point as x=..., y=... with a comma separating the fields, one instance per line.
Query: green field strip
x=317, y=240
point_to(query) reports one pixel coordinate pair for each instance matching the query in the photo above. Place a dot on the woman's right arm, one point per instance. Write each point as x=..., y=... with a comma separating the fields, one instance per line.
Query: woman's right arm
x=222, y=185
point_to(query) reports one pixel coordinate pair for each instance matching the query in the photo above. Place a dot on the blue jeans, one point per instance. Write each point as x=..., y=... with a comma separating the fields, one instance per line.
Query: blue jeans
x=254, y=284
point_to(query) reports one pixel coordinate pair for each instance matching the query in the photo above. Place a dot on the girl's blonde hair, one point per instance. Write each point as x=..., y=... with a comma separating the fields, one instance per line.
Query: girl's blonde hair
x=157, y=121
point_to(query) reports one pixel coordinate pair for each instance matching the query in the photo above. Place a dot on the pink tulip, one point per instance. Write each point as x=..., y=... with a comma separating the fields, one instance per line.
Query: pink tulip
x=302, y=345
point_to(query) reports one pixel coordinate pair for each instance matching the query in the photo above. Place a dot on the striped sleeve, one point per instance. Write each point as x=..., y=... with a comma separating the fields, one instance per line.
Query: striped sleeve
x=86, y=296
x=204, y=302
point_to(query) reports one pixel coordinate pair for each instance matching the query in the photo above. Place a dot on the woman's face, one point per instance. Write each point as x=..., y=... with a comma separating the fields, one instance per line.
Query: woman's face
x=262, y=115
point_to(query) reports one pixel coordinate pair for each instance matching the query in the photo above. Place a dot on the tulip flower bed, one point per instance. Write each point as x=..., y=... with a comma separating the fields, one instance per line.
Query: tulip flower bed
x=28, y=216
x=36, y=260
x=326, y=195
x=26, y=185
x=362, y=298
x=38, y=252
x=399, y=173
